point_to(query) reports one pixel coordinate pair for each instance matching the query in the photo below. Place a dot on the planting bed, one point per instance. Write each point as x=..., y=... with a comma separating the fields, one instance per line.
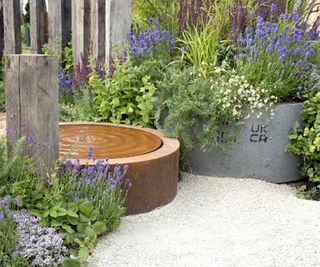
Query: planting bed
x=153, y=159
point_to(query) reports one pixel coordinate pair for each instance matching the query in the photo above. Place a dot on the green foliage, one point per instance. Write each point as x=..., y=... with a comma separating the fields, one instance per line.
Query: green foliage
x=14, y=167
x=126, y=96
x=201, y=45
x=8, y=240
x=305, y=143
x=56, y=51
x=67, y=61
x=82, y=110
x=64, y=56
x=76, y=222
x=166, y=12
x=199, y=104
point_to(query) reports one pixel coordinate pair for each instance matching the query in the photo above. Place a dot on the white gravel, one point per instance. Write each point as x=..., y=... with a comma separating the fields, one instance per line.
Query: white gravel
x=219, y=222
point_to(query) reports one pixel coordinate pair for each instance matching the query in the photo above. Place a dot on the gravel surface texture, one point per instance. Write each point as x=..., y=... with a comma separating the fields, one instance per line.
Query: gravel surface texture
x=219, y=222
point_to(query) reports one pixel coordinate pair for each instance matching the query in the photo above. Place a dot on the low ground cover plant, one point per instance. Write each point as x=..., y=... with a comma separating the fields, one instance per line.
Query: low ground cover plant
x=56, y=220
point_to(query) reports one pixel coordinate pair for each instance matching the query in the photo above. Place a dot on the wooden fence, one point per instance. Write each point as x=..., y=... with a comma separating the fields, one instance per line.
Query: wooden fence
x=96, y=25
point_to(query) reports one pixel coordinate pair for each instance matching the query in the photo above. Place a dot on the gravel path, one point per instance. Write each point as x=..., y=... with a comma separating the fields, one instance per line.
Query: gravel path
x=219, y=222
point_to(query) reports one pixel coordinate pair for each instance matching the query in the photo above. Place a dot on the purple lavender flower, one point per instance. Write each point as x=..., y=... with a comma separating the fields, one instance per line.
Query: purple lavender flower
x=145, y=43
x=83, y=69
x=65, y=83
x=13, y=117
x=284, y=16
x=90, y=152
x=269, y=37
x=1, y=216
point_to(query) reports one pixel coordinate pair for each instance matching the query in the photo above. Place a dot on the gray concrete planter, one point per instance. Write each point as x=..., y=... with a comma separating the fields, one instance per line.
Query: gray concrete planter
x=259, y=151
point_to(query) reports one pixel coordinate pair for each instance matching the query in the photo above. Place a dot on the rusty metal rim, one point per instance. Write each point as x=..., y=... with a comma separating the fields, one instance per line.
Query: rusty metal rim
x=169, y=145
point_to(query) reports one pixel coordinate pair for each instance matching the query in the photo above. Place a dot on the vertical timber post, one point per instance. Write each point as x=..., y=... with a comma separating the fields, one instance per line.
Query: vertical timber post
x=1, y=32
x=32, y=107
x=12, y=24
x=118, y=19
x=80, y=28
x=59, y=13
x=98, y=19
x=37, y=8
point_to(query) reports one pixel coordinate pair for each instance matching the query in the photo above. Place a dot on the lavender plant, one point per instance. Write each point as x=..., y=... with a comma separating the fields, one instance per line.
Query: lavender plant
x=105, y=188
x=65, y=83
x=152, y=42
x=276, y=55
x=66, y=87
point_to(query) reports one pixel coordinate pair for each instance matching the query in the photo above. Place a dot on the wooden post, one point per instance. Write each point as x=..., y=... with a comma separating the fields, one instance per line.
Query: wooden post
x=98, y=19
x=32, y=107
x=37, y=8
x=59, y=12
x=118, y=19
x=80, y=28
x=12, y=24
x=1, y=32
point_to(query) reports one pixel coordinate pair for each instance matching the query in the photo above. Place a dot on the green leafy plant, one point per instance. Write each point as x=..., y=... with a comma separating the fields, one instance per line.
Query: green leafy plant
x=305, y=143
x=14, y=167
x=64, y=55
x=166, y=12
x=126, y=96
x=67, y=61
x=76, y=222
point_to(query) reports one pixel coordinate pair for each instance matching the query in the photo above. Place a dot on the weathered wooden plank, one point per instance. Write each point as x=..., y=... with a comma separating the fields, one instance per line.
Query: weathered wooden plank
x=12, y=24
x=118, y=19
x=34, y=100
x=59, y=12
x=12, y=95
x=98, y=17
x=80, y=28
x=1, y=31
x=37, y=9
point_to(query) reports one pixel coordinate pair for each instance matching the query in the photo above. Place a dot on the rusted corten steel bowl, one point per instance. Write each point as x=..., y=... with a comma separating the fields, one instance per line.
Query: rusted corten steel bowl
x=153, y=159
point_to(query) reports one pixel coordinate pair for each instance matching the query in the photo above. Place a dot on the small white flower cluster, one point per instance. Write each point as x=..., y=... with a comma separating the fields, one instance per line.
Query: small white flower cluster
x=241, y=98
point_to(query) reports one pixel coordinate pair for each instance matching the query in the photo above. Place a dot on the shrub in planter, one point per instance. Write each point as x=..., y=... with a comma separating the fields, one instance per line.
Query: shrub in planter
x=305, y=143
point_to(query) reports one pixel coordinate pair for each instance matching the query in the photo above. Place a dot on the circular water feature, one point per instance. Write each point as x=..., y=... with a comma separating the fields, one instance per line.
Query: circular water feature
x=153, y=159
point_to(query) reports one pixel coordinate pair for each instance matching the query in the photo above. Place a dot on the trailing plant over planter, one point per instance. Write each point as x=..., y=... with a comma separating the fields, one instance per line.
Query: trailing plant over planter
x=196, y=108
x=305, y=143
